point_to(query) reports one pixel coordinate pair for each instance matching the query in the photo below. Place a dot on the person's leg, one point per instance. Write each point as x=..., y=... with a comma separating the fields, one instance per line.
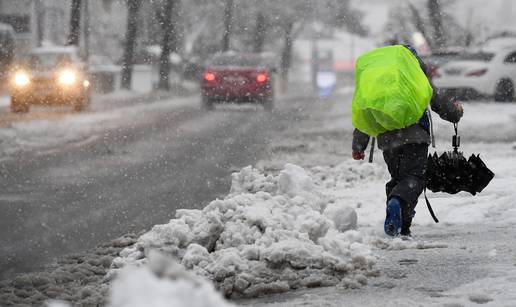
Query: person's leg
x=411, y=181
x=393, y=216
x=392, y=158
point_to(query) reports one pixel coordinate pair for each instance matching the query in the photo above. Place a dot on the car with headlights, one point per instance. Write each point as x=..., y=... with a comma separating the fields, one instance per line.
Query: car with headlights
x=238, y=78
x=488, y=72
x=50, y=76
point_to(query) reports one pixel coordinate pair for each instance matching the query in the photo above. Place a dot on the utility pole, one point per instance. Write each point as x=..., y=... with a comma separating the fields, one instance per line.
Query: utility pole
x=228, y=24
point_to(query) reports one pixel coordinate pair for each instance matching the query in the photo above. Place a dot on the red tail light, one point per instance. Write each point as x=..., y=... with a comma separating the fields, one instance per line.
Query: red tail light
x=209, y=76
x=262, y=78
x=477, y=73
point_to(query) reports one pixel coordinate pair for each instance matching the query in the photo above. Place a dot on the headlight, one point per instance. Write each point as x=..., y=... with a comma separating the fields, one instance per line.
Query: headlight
x=21, y=79
x=67, y=77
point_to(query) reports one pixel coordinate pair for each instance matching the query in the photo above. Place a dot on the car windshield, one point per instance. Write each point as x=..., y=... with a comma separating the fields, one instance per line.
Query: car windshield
x=49, y=60
x=478, y=56
x=237, y=60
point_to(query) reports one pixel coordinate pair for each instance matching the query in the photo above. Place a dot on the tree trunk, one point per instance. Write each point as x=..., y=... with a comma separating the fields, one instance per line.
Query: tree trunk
x=286, y=55
x=259, y=33
x=75, y=24
x=228, y=24
x=40, y=17
x=130, y=42
x=169, y=43
x=435, y=12
x=420, y=25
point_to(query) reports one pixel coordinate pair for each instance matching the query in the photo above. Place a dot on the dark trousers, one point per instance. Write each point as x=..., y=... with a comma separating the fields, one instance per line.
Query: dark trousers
x=407, y=166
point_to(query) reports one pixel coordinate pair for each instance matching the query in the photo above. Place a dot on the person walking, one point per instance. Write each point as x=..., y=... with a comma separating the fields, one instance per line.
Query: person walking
x=405, y=151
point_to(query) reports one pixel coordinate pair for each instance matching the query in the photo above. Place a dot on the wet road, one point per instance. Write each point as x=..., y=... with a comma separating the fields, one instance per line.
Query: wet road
x=72, y=197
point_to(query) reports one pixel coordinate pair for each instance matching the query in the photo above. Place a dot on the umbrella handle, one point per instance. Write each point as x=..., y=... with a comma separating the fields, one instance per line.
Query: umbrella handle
x=371, y=153
x=456, y=138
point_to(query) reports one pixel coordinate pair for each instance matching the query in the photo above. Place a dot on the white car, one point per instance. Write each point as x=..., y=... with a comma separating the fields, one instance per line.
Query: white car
x=484, y=73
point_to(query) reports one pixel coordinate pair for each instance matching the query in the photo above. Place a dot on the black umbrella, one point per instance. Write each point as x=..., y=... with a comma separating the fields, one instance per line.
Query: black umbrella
x=452, y=173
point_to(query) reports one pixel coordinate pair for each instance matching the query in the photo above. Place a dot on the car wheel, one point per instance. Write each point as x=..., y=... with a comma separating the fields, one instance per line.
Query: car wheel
x=207, y=103
x=18, y=105
x=82, y=104
x=504, y=91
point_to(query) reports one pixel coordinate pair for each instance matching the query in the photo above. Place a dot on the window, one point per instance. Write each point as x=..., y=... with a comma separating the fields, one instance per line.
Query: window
x=478, y=57
x=511, y=58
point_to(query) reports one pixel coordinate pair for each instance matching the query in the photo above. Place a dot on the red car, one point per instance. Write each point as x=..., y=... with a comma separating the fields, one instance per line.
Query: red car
x=236, y=77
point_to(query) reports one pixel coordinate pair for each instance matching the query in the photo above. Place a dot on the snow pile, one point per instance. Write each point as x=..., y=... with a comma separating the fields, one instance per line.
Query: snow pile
x=163, y=283
x=270, y=234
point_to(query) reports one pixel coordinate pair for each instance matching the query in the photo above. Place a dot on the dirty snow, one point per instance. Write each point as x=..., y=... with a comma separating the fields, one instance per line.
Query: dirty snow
x=163, y=283
x=270, y=234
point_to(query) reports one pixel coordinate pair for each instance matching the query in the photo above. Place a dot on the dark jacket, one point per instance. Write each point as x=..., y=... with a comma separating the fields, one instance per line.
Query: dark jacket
x=416, y=134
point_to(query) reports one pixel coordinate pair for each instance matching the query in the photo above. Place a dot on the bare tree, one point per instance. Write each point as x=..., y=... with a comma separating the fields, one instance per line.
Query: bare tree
x=436, y=20
x=260, y=32
x=75, y=23
x=286, y=53
x=40, y=16
x=169, y=43
x=130, y=42
x=228, y=23
x=419, y=23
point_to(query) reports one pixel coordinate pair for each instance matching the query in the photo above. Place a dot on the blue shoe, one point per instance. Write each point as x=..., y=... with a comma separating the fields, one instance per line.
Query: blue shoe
x=392, y=226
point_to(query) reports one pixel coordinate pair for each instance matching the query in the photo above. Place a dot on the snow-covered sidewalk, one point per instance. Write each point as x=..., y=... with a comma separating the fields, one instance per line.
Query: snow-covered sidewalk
x=465, y=260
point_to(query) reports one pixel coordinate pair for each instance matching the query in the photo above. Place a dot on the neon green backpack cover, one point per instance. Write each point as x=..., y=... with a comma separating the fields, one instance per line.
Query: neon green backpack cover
x=391, y=91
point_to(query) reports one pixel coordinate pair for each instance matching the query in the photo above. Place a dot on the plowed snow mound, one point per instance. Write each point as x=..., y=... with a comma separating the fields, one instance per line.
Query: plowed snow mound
x=270, y=234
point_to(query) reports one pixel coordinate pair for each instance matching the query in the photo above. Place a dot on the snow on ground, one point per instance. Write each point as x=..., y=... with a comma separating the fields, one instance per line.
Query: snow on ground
x=478, y=266
x=270, y=234
x=162, y=283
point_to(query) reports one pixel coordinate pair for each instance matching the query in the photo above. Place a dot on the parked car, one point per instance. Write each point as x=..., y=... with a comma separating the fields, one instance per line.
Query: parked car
x=238, y=77
x=440, y=58
x=50, y=76
x=484, y=73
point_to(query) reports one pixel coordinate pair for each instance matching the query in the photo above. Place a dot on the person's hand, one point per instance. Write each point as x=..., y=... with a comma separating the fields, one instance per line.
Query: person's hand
x=358, y=155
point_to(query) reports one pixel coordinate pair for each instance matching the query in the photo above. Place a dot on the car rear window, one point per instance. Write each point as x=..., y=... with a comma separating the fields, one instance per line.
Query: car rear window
x=237, y=60
x=478, y=56
x=48, y=60
x=442, y=58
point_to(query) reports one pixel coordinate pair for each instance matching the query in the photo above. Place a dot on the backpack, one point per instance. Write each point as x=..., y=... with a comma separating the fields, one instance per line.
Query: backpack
x=391, y=91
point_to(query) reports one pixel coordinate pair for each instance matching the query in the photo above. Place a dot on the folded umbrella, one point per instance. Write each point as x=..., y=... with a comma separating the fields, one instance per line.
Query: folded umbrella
x=452, y=173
